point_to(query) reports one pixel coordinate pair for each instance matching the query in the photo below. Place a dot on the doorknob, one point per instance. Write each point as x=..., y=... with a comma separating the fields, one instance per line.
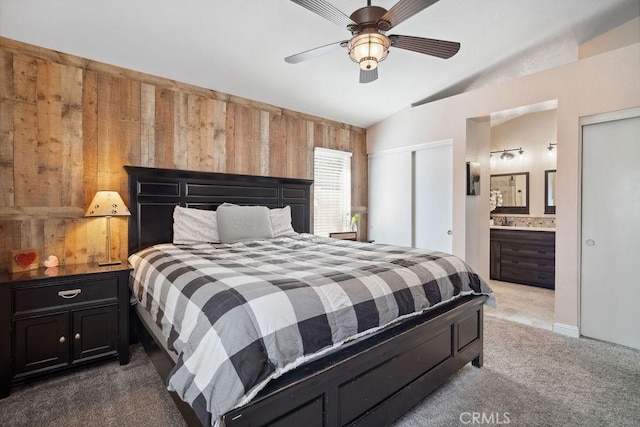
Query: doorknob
x=449, y=232
x=590, y=242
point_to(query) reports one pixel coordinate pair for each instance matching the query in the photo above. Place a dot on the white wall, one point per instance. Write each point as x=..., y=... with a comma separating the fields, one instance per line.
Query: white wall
x=624, y=35
x=605, y=82
x=477, y=207
x=533, y=132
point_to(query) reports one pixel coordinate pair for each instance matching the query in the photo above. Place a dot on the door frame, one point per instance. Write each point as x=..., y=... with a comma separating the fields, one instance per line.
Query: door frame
x=593, y=119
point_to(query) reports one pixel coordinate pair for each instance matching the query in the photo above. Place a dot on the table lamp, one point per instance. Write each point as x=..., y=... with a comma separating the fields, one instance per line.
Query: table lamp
x=107, y=204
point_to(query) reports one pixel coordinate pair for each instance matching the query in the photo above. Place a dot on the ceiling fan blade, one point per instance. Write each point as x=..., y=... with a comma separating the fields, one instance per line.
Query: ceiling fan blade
x=404, y=10
x=440, y=48
x=314, y=53
x=368, y=76
x=327, y=11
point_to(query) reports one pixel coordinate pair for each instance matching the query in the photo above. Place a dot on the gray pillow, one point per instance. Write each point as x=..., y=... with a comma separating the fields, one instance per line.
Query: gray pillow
x=239, y=223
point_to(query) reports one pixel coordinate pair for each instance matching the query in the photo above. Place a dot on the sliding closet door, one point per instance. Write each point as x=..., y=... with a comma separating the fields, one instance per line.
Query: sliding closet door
x=610, y=282
x=433, y=198
x=390, y=198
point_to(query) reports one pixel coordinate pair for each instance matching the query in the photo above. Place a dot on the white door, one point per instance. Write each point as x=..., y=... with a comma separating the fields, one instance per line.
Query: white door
x=390, y=198
x=610, y=283
x=433, y=198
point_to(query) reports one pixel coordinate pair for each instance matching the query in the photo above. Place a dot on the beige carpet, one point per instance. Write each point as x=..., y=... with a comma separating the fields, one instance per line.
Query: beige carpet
x=531, y=377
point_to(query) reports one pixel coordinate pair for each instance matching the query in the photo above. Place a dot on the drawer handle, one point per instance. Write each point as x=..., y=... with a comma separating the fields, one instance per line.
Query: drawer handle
x=77, y=336
x=62, y=339
x=70, y=293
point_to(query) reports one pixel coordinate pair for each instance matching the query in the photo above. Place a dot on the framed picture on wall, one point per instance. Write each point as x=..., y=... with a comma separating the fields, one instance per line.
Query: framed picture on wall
x=473, y=179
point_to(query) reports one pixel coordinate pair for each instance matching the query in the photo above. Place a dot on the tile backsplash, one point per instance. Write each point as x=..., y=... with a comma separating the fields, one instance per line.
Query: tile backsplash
x=524, y=221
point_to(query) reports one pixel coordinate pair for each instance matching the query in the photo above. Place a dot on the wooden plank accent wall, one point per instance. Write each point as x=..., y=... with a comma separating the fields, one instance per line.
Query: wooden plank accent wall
x=68, y=125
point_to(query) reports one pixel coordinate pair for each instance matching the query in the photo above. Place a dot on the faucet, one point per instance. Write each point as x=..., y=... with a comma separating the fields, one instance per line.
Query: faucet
x=505, y=221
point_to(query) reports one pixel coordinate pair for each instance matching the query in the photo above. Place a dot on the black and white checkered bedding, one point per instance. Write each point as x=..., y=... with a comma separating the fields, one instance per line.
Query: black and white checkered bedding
x=239, y=315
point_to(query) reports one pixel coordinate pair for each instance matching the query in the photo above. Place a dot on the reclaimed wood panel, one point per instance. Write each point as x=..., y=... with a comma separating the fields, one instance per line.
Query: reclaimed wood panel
x=147, y=125
x=109, y=157
x=130, y=122
x=180, y=146
x=72, y=173
x=90, y=135
x=219, y=126
x=265, y=159
x=49, y=135
x=7, y=190
x=10, y=230
x=296, y=148
x=277, y=144
x=165, y=101
x=25, y=124
x=230, y=131
x=68, y=125
x=206, y=134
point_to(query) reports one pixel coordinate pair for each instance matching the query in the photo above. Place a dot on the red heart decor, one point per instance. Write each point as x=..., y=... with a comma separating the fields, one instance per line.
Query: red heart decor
x=26, y=259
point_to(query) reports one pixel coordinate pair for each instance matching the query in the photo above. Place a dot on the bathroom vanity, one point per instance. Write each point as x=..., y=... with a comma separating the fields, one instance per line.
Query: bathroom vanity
x=524, y=255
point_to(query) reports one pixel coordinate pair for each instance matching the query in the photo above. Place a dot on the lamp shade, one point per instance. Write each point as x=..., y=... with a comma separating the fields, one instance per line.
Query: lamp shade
x=107, y=203
x=368, y=49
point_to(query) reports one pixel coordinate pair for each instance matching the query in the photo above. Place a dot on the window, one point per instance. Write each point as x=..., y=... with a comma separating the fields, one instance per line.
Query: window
x=332, y=191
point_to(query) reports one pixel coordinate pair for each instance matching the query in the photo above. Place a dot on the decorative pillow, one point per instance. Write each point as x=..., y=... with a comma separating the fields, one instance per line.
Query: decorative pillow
x=194, y=226
x=238, y=223
x=281, y=221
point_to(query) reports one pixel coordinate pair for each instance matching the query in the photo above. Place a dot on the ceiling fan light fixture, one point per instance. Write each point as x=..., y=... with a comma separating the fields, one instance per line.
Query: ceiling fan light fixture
x=368, y=49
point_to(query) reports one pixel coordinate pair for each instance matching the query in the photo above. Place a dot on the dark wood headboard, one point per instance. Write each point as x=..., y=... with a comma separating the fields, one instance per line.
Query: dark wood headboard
x=154, y=193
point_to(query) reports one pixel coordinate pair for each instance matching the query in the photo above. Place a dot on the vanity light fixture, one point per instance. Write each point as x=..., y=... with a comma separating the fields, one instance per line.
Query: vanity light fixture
x=507, y=154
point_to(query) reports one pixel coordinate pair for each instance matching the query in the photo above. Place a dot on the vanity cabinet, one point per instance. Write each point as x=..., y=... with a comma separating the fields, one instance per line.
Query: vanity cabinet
x=522, y=256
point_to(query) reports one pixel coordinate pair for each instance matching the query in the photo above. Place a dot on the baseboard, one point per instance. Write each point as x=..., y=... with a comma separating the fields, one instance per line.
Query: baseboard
x=568, y=330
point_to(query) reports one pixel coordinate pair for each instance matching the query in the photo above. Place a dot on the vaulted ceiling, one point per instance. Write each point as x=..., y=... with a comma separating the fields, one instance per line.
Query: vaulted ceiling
x=238, y=46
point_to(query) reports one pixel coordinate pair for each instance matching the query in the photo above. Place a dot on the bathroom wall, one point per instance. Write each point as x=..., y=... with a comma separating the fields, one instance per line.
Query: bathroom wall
x=533, y=132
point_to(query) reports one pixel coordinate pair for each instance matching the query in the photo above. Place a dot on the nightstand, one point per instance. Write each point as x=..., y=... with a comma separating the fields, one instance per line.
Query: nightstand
x=344, y=235
x=58, y=318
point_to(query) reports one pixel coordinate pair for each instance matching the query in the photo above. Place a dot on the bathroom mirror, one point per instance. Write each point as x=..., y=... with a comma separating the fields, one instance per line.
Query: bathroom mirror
x=550, y=191
x=514, y=190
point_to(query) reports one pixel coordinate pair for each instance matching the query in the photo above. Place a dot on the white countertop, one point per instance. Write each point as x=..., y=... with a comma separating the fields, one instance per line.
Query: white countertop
x=514, y=227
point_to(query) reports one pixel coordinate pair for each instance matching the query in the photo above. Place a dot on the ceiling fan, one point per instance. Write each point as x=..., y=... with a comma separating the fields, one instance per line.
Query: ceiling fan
x=369, y=44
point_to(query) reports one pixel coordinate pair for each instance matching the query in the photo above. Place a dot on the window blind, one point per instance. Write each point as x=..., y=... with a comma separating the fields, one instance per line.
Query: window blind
x=332, y=191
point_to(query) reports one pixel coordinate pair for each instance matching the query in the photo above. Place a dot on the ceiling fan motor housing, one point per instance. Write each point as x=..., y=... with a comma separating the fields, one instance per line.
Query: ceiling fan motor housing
x=368, y=18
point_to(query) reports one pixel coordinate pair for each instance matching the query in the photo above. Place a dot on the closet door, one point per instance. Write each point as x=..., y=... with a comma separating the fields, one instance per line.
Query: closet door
x=433, y=198
x=610, y=288
x=390, y=198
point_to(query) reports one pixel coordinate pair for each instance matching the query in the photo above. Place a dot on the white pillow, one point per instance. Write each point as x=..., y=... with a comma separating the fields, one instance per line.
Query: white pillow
x=239, y=223
x=194, y=226
x=281, y=221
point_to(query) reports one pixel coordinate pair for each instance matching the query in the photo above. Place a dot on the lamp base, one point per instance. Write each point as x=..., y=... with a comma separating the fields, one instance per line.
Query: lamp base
x=103, y=264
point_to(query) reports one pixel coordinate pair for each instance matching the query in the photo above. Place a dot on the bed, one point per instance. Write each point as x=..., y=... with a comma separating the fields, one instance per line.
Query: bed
x=369, y=378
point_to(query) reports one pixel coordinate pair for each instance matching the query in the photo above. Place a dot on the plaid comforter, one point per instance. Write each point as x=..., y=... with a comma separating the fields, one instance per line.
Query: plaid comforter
x=239, y=315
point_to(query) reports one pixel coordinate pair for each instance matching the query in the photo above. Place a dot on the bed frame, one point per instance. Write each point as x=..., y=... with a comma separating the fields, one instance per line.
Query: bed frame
x=369, y=382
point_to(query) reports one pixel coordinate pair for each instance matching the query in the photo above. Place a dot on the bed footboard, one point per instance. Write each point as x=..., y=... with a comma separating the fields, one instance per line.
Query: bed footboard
x=372, y=385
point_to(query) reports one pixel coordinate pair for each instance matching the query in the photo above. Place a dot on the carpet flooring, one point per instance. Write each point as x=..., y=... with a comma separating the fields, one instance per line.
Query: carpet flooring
x=531, y=377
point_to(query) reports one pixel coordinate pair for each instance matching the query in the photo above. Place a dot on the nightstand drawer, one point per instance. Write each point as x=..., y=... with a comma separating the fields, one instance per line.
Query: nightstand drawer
x=48, y=297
